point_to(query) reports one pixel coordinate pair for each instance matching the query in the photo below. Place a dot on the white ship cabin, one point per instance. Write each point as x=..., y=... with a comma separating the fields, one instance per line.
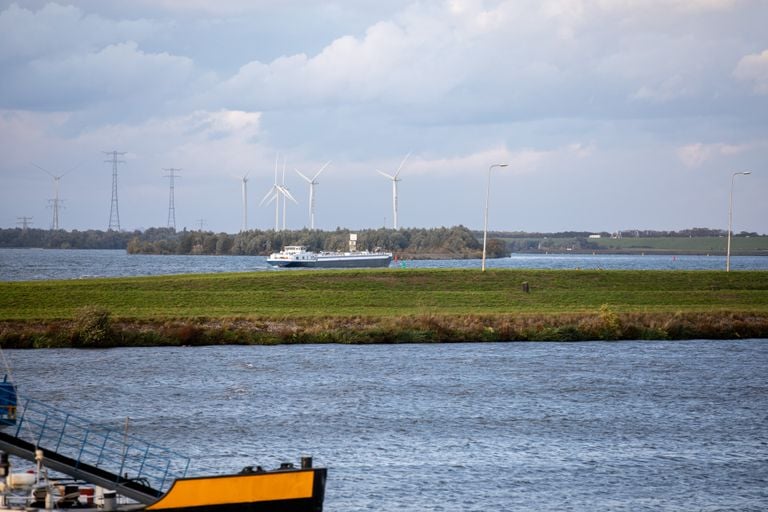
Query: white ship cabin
x=294, y=253
x=294, y=249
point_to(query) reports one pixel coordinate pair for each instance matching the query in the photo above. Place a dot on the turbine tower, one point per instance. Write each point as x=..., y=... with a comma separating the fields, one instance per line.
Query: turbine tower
x=171, y=203
x=244, y=181
x=114, y=213
x=55, y=202
x=274, y=193
x=395, y=179
x=312, y=182
x=286, y=194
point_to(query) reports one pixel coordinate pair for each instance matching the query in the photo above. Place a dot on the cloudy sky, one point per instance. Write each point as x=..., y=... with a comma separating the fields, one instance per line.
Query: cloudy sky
x=612, y=114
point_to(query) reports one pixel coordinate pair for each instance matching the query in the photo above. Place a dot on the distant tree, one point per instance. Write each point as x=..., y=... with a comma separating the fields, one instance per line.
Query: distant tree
x=496, y=248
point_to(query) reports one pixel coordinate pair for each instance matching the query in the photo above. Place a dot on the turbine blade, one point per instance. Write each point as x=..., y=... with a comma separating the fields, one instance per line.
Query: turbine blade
x=321, y=170
x=71, y=169
x=44, y=170
x=67, y=172
x=402, y=164
x=385, y=175
x=277, y=157
x=300, y=174
x=287, y=194
x=271, y=193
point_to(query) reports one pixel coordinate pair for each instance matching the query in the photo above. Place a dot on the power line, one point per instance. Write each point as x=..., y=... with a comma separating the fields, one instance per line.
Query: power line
x=171, y=202
x=24, y=222
x=114, y=213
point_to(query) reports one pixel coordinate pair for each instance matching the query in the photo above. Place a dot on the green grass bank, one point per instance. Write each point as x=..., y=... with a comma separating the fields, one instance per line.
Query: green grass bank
x=384, y=306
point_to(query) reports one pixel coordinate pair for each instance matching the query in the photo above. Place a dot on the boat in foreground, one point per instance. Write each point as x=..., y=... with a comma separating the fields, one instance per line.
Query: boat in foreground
x=110, y=471
x=286, y=489
x=300, y=256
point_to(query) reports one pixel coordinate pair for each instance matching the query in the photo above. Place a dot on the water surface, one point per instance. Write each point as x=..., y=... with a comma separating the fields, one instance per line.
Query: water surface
x=40, y=264
x=598, y=426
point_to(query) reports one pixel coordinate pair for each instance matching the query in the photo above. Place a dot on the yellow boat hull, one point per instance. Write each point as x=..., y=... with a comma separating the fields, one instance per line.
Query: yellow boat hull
x=291, y=490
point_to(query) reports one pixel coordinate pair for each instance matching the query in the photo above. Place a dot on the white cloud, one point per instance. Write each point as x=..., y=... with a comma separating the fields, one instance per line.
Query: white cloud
x=201, y=142
x=112, y=73
x=754, y=69
x=693, y=155
x=524, y=160
x=696, y=154
x=57, y=30
x=468, y=57
x=459, y=58
x=59, y=58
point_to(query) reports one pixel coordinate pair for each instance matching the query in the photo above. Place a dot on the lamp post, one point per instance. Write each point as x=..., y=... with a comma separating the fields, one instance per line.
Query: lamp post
x=487, y=198
x=730, y=220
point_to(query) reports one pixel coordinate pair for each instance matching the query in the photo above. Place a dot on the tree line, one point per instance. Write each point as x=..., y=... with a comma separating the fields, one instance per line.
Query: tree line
x=454, y=242
x=624, y=233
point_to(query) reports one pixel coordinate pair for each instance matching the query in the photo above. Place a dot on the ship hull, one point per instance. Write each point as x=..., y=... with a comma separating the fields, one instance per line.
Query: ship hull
x=275, y=491
x=335, y=262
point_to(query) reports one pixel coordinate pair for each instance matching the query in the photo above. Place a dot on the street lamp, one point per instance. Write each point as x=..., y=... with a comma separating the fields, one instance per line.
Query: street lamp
x=730, y=221
x=487, y=197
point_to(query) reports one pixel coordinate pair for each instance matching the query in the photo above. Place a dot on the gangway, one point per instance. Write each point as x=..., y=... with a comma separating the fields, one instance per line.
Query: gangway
x=87, y=451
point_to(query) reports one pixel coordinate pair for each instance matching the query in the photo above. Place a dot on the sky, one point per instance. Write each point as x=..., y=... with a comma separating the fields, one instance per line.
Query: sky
x=611, y=114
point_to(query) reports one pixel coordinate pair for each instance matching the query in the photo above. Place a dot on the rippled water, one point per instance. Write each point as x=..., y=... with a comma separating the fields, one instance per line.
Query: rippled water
x=627, y=426
x=35, y=264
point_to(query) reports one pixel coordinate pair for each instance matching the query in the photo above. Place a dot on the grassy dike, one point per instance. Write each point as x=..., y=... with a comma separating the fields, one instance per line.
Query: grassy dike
x=383, y=306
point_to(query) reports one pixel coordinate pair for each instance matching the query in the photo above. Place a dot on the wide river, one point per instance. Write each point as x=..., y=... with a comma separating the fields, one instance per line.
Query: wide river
x=36, y=264
x=593, y=426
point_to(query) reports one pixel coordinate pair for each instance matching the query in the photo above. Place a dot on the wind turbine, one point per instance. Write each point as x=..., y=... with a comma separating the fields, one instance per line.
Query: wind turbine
x=312, y=182
x=274, y=195
x=244, y=181
x=56, y=202
x=395, y=179
x=286, y=194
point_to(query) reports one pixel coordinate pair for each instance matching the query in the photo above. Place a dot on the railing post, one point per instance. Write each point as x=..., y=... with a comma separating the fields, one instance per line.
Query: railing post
x=122, y=461
x=143, y=460
x=43, y=426
x=61, y=434
x=103, y=445
x=83, y=445
x=165, y=475
x=20, y=417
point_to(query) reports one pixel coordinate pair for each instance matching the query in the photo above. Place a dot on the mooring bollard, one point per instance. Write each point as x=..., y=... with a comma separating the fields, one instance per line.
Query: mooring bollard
x=526, y=288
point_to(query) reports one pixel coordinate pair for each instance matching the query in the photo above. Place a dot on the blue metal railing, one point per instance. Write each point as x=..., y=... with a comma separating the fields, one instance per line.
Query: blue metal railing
x=7, y=402
x=109, y=449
